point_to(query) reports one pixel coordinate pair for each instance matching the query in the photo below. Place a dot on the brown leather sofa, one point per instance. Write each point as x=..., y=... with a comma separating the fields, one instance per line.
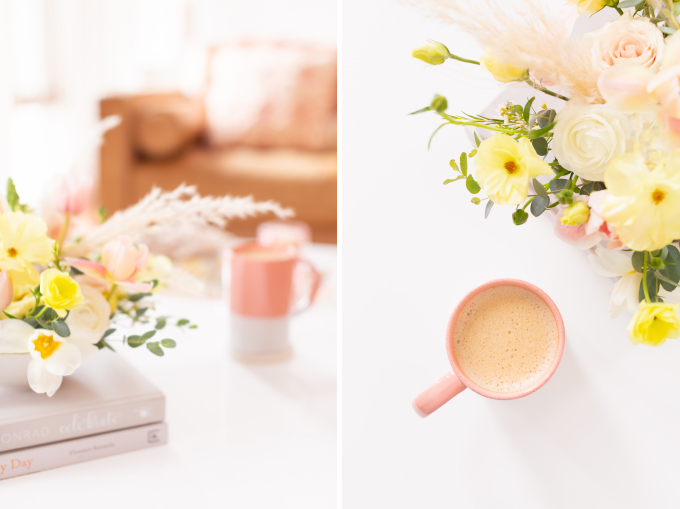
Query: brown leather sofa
x=160, y=142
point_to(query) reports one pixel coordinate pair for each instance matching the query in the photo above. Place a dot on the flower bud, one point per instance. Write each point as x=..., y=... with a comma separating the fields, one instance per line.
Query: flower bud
x=439, y=103
x=576, y=214
x=505, y=73
x=565, y=196
x=433, y=53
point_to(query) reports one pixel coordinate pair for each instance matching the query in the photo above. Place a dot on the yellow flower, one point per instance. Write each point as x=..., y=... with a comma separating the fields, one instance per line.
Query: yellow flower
x=576, y=214
x=643, y=205
x=589, y=6
x=23, y=242
x=503, y=168
x=60, y=291
x=433, y=53
x=653, y=322
x=501, y=71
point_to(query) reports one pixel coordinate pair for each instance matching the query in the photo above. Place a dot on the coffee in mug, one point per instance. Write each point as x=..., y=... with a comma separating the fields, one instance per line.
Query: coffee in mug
x=505, y=339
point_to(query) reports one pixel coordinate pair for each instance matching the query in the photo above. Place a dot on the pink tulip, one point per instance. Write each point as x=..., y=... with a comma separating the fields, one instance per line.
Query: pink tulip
x=625, y=87
x=72, y=193
x=122, y=259
x=6, y=290
x=121, y=262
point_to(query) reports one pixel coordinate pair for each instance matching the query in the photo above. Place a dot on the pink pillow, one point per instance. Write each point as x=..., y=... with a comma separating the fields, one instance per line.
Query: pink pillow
x=273, y=95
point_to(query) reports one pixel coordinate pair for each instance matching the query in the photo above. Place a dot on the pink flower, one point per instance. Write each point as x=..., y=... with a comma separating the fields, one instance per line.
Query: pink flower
x=6, y=290
x=121, y=262
x=71, y=194
x=577, y=236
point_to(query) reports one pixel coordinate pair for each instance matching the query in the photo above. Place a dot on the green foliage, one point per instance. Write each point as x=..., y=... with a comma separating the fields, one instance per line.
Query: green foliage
x=12, y=196
x=638, y=260
x=526, y=112
x=538, y=187
x=629, y=3
x=519, y=217
x=463, y=164
x=472, y=185
x=168, y=343
x=540, y=146
x=477, y=142
x=61, y=328
x=476, y=200
x=539, y=204
x=155, y=348
x=487, y=210
x=161, y=322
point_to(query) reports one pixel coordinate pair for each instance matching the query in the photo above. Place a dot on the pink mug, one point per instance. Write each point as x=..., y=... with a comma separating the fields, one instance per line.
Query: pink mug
x=456, y=381
x=268, y=285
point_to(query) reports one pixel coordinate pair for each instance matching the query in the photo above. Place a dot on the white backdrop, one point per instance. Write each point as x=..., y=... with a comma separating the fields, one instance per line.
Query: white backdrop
x=602, y=433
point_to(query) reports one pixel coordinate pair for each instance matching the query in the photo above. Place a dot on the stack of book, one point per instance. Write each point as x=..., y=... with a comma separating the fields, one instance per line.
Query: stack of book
x=106, y=407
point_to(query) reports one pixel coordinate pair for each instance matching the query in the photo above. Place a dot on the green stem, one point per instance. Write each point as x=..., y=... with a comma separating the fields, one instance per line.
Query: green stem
x=527, y=203
x=619, y=11
x=461, y=59
x=41, y=312
x=644, y=278
x=475, y=124
x=544, y=90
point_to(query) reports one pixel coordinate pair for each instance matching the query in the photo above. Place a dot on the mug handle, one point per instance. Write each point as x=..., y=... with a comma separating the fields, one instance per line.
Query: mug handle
x=306, y=298
x=437, y=394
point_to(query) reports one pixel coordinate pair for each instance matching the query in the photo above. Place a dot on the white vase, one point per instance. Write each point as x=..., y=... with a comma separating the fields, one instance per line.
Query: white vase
x=14, y=372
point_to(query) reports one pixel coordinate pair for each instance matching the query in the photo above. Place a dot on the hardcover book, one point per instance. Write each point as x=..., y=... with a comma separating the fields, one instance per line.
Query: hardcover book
x=77, y=450
x=106, y=393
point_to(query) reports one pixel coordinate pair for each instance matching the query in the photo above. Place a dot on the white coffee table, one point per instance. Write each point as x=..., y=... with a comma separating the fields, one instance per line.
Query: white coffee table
x=240, y=435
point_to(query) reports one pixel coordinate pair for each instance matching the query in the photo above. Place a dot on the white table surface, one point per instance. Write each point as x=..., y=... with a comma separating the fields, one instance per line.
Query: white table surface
x=604, y=432
x=242, y=436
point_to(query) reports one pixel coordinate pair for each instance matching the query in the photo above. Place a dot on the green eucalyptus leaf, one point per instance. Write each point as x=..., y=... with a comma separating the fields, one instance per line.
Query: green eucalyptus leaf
x=672, y=268
x=538, y=187
x=161, y=322
x=148, y=335
x=168, y=343
x=558, y=184
x=540, y=146
x=638, y=261
x=527, y=109
x=629, y=3
x=537, y=133
x=108, y=333
x=539, y=204
x=667, y=30
x=477, y=142
x=487, y=210
x=135, y=341
x=463, y=164
x=182, y=321
x=155, y=348
x=472, y=185
x=61, y=328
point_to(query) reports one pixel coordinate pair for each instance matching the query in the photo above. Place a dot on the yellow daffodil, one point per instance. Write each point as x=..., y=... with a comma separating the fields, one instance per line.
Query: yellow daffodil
x=643, y=204
x=433, y=53
x=653, y=323
x=501, y=71
x=60, y=291
x=589, y=6
x=576, y=214
x=23, y=242
x=503, y=168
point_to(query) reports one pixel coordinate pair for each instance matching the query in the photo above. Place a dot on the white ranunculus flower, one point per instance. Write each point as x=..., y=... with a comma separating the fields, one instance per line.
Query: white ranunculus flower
x=89, y=321
x=627, y=40
x=588, y=137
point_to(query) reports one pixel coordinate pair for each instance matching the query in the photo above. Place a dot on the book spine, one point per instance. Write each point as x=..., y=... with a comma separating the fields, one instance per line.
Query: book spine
x=69, y=452
x=91, y=421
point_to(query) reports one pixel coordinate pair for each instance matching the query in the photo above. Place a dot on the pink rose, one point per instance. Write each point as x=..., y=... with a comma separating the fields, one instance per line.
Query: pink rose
x=628, y=40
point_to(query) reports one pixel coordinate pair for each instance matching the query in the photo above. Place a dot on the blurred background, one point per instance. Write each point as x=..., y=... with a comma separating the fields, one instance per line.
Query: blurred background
x=235, y=97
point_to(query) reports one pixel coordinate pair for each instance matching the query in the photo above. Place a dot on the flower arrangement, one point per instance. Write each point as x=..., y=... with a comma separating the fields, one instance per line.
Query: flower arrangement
x=65, y=287
x=606, y=162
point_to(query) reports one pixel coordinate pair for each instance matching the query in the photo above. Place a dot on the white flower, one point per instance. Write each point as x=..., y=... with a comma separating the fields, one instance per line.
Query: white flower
x=587, y=138
x=627, y=40
x=53, y=357
x=610, y=263
x=89, y=321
